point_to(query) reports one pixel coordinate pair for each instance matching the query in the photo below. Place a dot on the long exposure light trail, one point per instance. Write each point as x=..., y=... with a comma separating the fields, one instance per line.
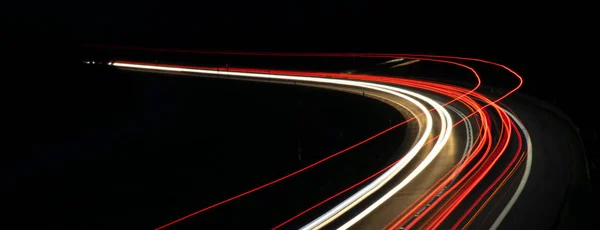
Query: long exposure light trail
x=363, y=193
x=434, y=207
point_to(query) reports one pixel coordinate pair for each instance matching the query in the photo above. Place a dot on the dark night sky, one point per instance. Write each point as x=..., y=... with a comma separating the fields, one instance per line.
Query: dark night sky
x=316, y=25
x=547, y=43
x=519, y=34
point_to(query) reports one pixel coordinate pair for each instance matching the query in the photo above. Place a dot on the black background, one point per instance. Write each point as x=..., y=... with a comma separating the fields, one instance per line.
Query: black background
x=549, y=43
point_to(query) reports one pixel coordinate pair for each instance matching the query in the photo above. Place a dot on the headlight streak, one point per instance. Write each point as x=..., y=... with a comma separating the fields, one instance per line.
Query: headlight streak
x=379, y=182
x=528, y=155
x=469, y=176
x=523, y=181
x=486, y=163
x=486, y=128
x=264, y=75
x=382, y=88
x=478, y=110
x=466, y=154
x=491, y=158
x=441, y=185
x=404, y=182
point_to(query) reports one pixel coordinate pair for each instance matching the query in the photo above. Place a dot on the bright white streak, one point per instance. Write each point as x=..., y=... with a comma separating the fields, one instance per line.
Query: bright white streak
x=521, y=186
x=434, y=152
x=352, y=201
x=382, y=88
x=392, y=61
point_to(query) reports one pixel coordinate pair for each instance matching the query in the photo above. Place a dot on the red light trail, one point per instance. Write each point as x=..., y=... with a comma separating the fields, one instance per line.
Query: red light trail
x=433, y=208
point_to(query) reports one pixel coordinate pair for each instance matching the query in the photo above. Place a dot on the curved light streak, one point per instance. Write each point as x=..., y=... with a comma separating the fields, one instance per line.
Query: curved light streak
x=517, y=193
x=430, y=157
x=488, y=103
x=390, y=173
x=352, y=201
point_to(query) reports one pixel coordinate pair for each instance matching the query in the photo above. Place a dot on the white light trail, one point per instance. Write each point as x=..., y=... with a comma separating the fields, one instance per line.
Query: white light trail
x=359, y=196
x=445, y=131
x=430, y=157
x=521, y=186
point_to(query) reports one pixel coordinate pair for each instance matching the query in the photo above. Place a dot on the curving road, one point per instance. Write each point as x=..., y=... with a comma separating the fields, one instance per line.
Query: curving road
x=469, y=161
